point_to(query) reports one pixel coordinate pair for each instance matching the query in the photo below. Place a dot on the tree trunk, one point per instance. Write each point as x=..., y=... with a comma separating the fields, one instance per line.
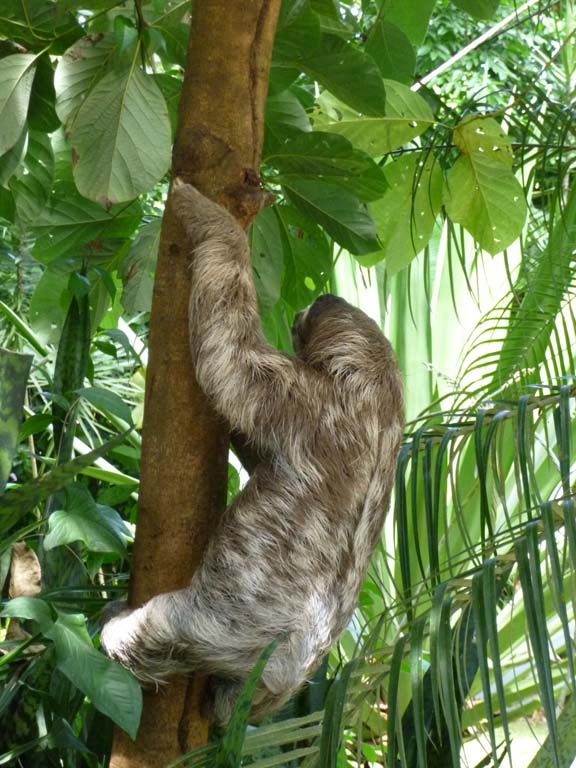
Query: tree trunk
x=184, y=453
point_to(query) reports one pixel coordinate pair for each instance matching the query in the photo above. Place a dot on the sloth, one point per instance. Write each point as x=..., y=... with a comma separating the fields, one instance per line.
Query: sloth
x=322, y=430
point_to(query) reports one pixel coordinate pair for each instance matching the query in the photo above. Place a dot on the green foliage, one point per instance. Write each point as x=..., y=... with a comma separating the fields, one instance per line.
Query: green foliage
x=110, y=687
x=443, y=204
x=14, y=370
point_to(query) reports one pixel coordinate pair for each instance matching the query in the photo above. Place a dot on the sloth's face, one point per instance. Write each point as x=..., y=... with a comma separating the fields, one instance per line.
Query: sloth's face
x=306, y=321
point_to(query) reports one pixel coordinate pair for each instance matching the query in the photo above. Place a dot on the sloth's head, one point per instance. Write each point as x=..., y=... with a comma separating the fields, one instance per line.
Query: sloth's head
x=335, y=336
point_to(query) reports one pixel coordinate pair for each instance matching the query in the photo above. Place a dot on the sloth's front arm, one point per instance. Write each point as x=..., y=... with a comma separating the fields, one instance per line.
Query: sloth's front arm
x=264, y=394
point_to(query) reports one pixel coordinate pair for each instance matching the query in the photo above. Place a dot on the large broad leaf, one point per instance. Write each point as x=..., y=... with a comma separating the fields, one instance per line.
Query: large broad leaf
x=406, y=214
x=348, y=73
x=110, y=687
x=487, y=199
x=298, y=32
x=32, y=184
x=121, y=138
x=266, y=244
x=99, y=527
x=341, y=214
x=14, y=370
x=77, y=72
x=329, y=157
x=138, y=269
x=72, y=225
x=485, y=135
x=482, y=9
x=16, y=77
x=392, y=51
x=412, y=18
x=285, y=117
x=407, y=116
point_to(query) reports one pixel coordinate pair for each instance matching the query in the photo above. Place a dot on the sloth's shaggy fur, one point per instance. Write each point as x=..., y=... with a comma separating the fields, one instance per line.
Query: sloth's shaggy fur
x=290, y=553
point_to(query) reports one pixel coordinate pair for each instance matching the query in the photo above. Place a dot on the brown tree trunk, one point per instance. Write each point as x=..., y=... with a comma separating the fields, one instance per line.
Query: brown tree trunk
x=184, y=454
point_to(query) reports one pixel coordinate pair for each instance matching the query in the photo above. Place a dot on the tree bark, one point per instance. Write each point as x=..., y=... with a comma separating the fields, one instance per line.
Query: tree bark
x=184, y=452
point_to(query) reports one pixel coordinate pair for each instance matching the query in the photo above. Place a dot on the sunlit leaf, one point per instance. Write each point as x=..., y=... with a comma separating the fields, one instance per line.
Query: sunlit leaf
x=407, y=115
x=78, y=70
x=405, y=215
x=16, y=77
x=485, y=135
x=121, y=138
x=486, y=198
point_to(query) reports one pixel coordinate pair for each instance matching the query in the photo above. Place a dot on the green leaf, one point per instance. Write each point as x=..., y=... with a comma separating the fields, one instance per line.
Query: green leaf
x=481, y=9
x=392, y=51
x=333, y=717
x=307, y=256
x=485, y=135
x=528, y=559
x=38, y=24
x=32, y=183
x=137, y=271
x=32, y=609
x=72, y=225
x=69, y=372
x=332, y=158
x=229, y=752
x=14, y=372
x=110, y=687
x=266, y=245
x=394, y=706
x=285, y=117
x=42, y=115
x=23, y=330
x=35, y=424
x=171, y=88
x=78, y=70
x=10, y=161
x=99, y=527
x=405, y=216
x=341, y=214
x=348, y=73
x=298, y=32
x=107, y=402
x=412, y=18
x=16, y=77
x=407, y=116
x=121, y=138
x=417, y=687
x=17, y=502
x=487, y=199
x=49, y=305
